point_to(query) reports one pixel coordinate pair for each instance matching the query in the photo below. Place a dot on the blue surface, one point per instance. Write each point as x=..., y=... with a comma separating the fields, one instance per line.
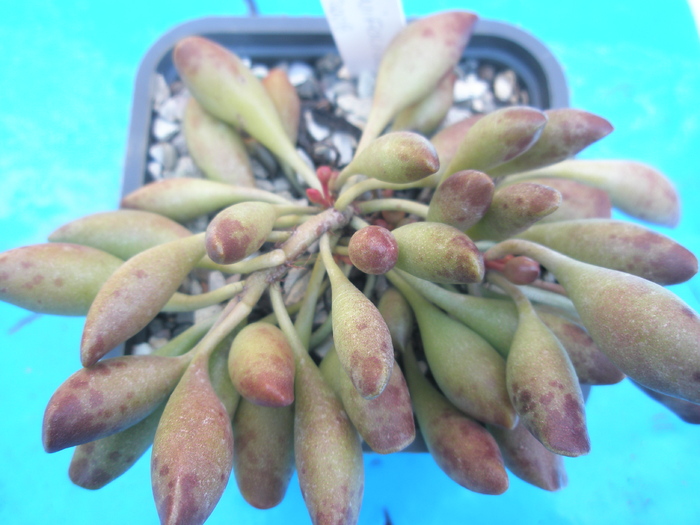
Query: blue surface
x=66, y=74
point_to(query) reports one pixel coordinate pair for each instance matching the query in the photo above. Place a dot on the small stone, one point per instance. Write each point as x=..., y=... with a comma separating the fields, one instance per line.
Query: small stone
x=355, y=108
x=470, y=88
x=173, y=109
x=142, y=349
x=345, y=144
x=455, y=114
x=281, y=184
x=260, y=70
x=315, y=130
x=259, y=171
x=216, y=280
x=161, y=91
x=300, y=73
x=329, y=63
x=195, y=287
x=308, y=90
x=265, y=184
x=157, y=342
x=296, y=284
x=325, y=154
x=164, y=130
x=504, y=85
x=266, y=158
x=165, y=154
x=155, y=170
x=484, y=104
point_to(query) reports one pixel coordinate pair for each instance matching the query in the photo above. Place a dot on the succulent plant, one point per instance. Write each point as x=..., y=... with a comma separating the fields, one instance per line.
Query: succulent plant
x=472, y=277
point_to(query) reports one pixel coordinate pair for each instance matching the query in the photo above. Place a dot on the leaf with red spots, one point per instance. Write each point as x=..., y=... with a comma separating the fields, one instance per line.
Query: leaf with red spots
x=327, y=450
x=567, y=132
x=135, y=293
x=618, y=245
x=216, y=147
x=398, y=157
x=635, y=188
x=439, y=253
x=238, y=231
x=192, y=451
x=528, y=459
x=54, y=278
x=226, y=88
x=462, y=199
x=123, y=233
x=263, y=452
x=108, y=397
x=414, y=63
x=261, y=365
x=99, y=462
x=498, y=138
x=461, y=446
x=385, y=422
x=515, y=208
x=649, y=333
x=362, y=339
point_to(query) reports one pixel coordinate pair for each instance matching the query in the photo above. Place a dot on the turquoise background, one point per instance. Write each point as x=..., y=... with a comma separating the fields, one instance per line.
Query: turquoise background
x=66, y=75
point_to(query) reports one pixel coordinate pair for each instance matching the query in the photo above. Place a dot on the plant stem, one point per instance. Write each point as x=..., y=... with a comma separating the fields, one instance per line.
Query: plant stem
x=371, y=206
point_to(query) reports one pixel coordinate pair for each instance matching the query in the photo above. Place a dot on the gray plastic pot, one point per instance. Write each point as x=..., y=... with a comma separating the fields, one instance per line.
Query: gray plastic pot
x=273, y=39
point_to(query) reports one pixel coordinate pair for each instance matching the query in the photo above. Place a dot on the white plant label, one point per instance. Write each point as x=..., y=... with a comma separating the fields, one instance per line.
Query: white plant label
x=362, y=29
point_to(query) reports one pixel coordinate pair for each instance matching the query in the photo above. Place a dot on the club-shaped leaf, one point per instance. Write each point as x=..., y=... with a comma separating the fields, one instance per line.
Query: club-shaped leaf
x=135, y=293
x=108, y=397
x=123, y=233
x=216, y=147
x=54, y=278
x=462, y=199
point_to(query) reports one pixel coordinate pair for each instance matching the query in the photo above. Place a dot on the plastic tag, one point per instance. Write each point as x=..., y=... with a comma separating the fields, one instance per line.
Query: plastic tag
x=362, y=29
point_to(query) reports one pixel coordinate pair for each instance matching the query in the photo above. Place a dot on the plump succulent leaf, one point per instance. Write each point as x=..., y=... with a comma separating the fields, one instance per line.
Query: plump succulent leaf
x=135, y=293
x=385, y=422
x=438, y=252
x=97, y=463
x=227, y=89
x=239, y=231
x=263, y=452
x=184, y=199
x=426, y=115
x=286, y=100
x=193, y=449
x=648, y=332
x=123, y=233
x=261, y=365
x=635, y=188
x=373, y=250
x=327, y=450
x=515, y=208
x=108, y=397
x=462, y=199
x=578, y=200
x=54, y=278
x=497, y=138
x=528, y=459
x=567, y=132
x=461, y=446
x=216, y=147
x=619, y=245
